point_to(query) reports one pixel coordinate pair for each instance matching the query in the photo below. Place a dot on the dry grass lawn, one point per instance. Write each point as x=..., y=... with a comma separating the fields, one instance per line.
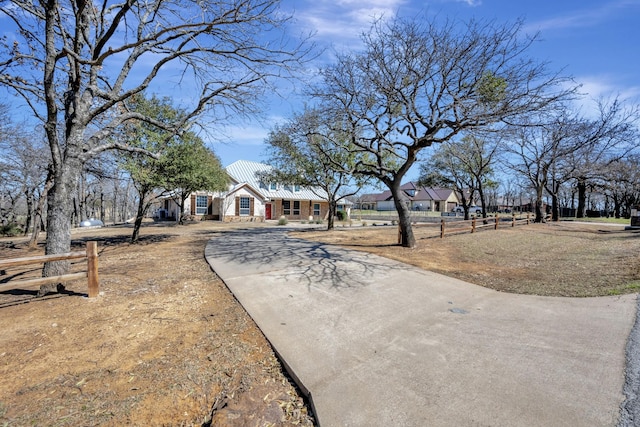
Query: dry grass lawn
x=554, y=259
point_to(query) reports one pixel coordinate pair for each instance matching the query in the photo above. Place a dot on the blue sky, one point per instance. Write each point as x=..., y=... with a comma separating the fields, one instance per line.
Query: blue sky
x=596, y=42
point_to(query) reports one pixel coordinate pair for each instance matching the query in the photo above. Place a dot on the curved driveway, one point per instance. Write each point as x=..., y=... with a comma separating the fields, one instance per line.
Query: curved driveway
x=379, y=343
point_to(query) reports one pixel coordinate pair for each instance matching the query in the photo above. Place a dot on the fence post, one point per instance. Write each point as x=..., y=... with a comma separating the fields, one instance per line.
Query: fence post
x=496, y=226
x=92, y=269
x=527, y=218
x=442, y=228
x=513, y=219
x=473, y=225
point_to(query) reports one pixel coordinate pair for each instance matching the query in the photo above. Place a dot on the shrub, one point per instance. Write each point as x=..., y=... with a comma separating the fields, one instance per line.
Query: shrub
x=342, y=215
x=283, y=221
x=318, y=221
x=10, y=230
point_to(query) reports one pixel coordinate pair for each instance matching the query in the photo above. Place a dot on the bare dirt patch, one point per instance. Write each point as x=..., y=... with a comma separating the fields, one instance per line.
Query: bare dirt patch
x=165, y=344
x=555, y=259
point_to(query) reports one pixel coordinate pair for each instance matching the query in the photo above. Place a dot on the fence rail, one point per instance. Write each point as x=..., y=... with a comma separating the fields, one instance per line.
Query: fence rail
x=473, y=224
x=91, y=254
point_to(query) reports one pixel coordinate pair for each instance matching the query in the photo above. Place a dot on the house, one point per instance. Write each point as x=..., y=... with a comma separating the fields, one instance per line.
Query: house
x=417, y=199
x=249, y=198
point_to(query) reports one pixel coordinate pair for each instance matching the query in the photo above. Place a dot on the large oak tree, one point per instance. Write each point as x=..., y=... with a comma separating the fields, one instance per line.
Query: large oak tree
x=420, y=81
x=76, y=63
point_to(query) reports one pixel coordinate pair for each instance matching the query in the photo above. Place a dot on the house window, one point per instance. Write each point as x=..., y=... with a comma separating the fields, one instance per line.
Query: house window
x=201, y=205
x=286, y=207
x=296, y=188
x=316, y=209
x=244, y=206
x=296, y=207
x=273, y=186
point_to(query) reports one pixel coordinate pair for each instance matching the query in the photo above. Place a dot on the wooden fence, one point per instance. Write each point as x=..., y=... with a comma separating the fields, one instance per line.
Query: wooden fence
x=472, y=225
x=91, y=254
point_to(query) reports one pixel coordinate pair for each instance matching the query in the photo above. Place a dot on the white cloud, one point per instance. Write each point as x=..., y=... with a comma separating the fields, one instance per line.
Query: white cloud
x=582, y=18
x=247, y=135
x=341, y=22
x=595, y=88
x=472, y=3
x=605, y=86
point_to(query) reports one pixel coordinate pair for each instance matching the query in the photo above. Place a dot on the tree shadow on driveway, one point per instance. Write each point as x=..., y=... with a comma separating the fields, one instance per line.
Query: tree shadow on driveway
x=270, y=251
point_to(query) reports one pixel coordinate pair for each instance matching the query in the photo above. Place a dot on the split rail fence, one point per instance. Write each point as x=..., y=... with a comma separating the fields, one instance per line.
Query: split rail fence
x=91, y=273
x=478, y=223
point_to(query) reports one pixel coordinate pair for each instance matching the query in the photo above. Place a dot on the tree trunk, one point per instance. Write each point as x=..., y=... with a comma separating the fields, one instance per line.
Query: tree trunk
x=616, y=206
x=538, y=204
x=29, y=195
x=180, y=213
x=59, y=212
x=37, y=224
x=102, y=207
x=114, y=206
x=407, y=239
x=333, y=207
x=582, y=198
x=555, y=208
x=482, y=202
x=138, y=222
x=143, y=208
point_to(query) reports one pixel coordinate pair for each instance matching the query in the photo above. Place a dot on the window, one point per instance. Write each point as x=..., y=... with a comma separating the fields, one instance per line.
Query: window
x=286, y=207
x=316, y=209
x=244, y=206
x=273, y=186
x=296, y=188
x=296, y=207
x=201, y=205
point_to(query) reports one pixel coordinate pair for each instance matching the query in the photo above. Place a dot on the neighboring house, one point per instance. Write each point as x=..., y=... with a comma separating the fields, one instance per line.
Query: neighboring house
x=250, y=199
x=417, y=199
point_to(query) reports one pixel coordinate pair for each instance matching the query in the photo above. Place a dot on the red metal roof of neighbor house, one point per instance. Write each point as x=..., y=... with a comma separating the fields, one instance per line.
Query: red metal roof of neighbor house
x=421, y=193
x=244, y=171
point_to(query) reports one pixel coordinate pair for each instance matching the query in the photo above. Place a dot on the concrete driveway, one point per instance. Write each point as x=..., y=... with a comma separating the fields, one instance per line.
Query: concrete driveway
x=375, y=342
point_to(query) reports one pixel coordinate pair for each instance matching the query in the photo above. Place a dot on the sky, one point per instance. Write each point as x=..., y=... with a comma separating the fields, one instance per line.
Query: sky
x=595, y=42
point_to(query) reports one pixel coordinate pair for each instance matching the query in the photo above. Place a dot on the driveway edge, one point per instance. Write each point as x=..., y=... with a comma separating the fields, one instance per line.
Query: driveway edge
x=630, y=408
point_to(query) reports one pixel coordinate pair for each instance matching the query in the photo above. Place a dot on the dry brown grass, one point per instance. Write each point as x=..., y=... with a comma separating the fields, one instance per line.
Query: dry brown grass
x=557, y=259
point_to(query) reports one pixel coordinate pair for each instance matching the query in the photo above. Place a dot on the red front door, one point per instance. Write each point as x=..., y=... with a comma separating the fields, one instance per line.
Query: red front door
x=267, y=211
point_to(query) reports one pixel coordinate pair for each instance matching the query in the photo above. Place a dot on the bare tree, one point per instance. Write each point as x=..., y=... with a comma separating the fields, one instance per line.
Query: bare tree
x=539, y=151
x=443, y=169
x=623, y=185
x=23, y=172
x=609, y=137
x=470, y=161
x=424, y=81
x=76, y=63
x=308, y=152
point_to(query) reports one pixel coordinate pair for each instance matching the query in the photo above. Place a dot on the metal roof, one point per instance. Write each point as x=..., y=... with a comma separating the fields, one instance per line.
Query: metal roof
x=244, y=171
x=420, y=193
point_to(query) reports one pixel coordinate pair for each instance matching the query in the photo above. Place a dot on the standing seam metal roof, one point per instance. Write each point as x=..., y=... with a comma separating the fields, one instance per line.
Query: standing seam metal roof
x=244, y=171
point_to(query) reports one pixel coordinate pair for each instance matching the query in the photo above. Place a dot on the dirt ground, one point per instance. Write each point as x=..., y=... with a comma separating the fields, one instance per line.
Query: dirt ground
x=165, y=343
